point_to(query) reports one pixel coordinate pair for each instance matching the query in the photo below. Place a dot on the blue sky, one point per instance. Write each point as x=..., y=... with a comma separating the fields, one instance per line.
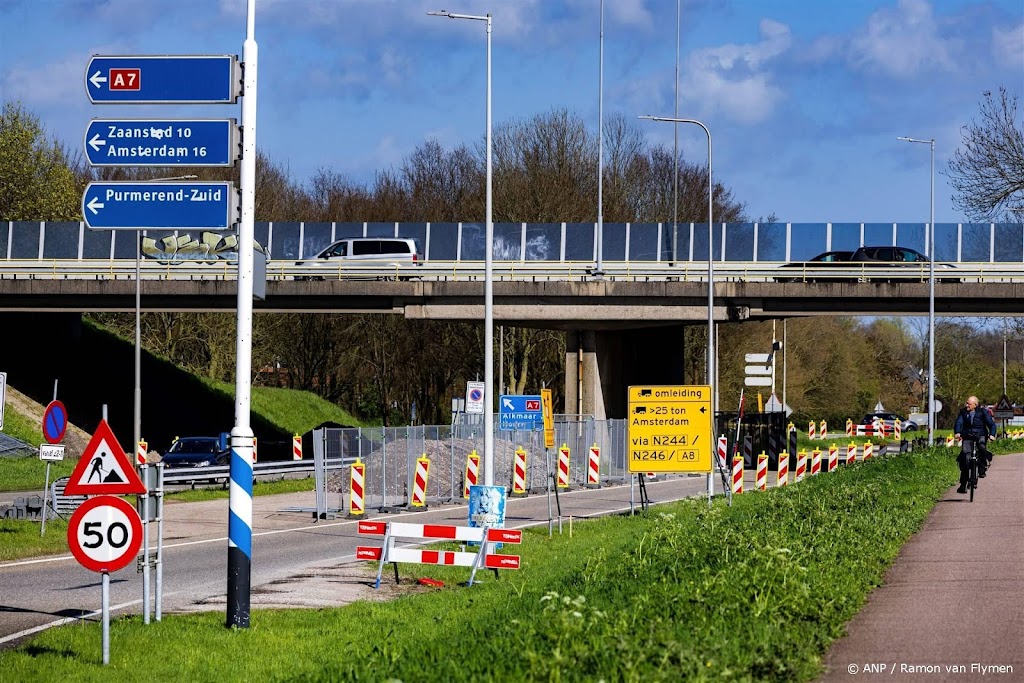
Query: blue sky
x=804, y=99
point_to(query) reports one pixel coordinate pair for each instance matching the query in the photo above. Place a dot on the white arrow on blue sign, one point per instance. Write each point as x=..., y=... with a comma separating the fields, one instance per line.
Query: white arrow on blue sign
x=520, y=412
x=163, y=79
x=141, y=206
x=162, y=142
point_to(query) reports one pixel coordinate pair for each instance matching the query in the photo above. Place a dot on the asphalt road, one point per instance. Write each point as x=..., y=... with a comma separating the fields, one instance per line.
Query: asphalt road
x=40, y=592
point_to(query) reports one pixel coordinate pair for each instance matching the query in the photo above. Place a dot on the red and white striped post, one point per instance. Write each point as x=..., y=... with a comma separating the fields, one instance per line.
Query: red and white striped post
x=801, y=465
x=815, y=462
x=356, y=483
x=471, y=473
x=833, y=458
x=823, y=430
x=851, y=453
x=782, y=473
x=810, y=430
x=254, y=449
x=563, y=467
x=296, y=447
x=897, y=431
x=761, y=476
x=868, y=448
x=737, y=473
x=419, y=481
x=140, y=452
x=723, y=447
x=519, y=472
x=849, y=427
x=594, y=467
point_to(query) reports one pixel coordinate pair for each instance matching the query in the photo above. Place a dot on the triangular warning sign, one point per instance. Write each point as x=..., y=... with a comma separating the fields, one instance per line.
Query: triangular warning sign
x=104, y=468
x=1004, y=404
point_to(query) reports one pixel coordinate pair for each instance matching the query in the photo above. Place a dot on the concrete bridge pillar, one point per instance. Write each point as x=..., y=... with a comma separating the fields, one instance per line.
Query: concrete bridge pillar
x=601, y=365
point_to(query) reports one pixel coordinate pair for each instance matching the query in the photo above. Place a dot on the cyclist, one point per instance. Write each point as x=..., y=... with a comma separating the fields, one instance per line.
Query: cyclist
x=975, y=423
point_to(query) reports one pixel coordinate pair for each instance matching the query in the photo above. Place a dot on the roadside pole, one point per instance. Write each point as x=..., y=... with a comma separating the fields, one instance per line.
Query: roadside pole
x=240, y=497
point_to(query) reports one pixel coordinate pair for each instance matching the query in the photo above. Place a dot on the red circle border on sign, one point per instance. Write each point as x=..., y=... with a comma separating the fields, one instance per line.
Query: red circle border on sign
x=130, y=551
x=46, y=413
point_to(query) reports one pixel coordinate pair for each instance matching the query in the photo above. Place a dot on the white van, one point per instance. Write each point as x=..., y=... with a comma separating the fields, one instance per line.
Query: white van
x=374, y=250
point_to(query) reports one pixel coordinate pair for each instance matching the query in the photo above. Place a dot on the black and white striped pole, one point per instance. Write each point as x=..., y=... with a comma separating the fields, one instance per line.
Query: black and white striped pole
x=240, y=496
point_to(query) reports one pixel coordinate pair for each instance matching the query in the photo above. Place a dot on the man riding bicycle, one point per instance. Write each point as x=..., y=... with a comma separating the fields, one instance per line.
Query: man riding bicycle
x=976, y=424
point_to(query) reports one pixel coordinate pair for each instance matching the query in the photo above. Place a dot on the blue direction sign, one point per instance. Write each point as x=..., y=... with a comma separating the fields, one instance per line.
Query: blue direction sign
x=138, y=206
x=520, y=412
x=163, y=79
x=164, y=142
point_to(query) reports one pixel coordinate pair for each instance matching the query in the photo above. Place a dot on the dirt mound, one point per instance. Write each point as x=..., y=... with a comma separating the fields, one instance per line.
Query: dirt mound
x=75, y=439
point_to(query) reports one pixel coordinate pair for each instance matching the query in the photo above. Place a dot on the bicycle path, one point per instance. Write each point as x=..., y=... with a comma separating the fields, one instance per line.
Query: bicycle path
x=951, y=608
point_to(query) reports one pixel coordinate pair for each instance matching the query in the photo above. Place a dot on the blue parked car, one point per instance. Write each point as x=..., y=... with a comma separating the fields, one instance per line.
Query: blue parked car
x=196, y=451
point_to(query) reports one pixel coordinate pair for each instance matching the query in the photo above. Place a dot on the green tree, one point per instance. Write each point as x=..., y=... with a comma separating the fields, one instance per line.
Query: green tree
x=36, y=178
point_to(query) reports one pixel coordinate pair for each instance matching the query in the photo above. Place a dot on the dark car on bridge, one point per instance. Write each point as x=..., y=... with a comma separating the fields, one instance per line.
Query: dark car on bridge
x=196, y=451
x=856, y=262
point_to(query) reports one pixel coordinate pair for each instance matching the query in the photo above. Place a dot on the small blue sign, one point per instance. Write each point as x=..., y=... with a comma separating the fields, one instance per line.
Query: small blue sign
x=487, y=508
x=55, y=422
x=163, y=79
x=140, y=206
x=520, y=412
x=165, y=142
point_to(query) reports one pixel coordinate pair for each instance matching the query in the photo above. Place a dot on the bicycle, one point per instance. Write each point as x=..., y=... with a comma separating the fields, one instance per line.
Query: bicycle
x=969, y=446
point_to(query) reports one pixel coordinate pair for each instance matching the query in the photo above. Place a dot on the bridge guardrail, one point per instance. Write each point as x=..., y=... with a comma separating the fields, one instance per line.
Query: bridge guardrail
x=184, y=475
x=528, y=271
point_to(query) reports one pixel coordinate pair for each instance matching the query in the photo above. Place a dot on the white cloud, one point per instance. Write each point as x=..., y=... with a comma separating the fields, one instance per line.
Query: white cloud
x=902, y=41
x=735, y=78
x=1008, y=47
x=48, y=83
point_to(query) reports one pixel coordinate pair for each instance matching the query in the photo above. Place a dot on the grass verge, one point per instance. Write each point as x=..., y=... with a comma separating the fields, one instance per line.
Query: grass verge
x=756, y=591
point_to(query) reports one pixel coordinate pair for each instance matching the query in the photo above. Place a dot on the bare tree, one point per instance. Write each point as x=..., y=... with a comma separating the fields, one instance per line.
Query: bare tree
x=988, y=172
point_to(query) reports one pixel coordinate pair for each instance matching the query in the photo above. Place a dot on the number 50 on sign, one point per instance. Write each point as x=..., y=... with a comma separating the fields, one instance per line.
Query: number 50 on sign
x=105, y=533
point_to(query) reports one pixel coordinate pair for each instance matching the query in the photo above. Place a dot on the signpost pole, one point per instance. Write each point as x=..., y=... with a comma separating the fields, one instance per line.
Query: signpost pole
x=240, y=499
x=46, y=488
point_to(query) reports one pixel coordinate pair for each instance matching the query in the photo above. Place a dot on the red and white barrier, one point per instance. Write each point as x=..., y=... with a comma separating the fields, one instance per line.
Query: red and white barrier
x=897, y=431
x=419, y=482
x=472, y=473
x=723, y=448
x=833, y=458
x=868, y=450
x=782, y=473
x=594, y=467
x=810, y=430
x=254, y=450
x=140, y=452
x=519, y=472
x=849, y=427
x=737, y=474
x=356, y=488
x=815, y=462
x=761, y=475
x=563, y=467
x=801, y=465
x=482, y=559
x=823, y=430
x=851, y=454
x=296, y=447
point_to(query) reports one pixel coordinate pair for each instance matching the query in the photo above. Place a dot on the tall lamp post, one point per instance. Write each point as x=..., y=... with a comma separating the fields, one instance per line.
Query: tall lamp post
x=931, y=293
x=711, y=243
x=488, y=280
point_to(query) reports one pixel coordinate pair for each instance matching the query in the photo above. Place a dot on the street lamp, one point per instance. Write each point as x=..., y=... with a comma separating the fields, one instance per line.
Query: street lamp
x=711, y=260
x=931, y=293
x=488, y=280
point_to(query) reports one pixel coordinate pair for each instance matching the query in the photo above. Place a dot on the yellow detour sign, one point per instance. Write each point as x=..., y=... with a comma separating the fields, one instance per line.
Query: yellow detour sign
x=670, y=429
x=549, y=418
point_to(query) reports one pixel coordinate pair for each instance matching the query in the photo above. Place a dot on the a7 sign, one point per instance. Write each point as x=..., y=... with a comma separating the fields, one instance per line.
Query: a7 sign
x=105, y=533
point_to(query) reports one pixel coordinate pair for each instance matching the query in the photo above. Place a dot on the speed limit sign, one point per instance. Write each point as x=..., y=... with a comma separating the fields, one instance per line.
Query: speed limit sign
x=105, y=533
